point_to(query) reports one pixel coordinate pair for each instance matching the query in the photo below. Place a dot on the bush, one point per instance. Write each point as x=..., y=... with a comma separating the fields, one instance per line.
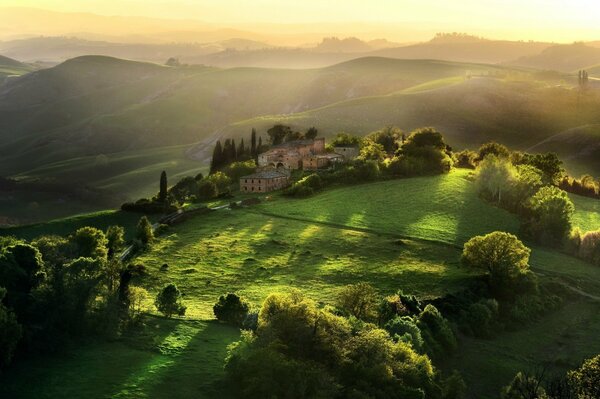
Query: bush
x=305, y=186
x=586, y=379
x=207, y=190
x=551, y=213
x=144, y=232
x=480, y=318
x=438, y=337
x=589, y=249
x=10, y=333
x=231, y=309
x=406, y=330
x=168, y=301
x=466, y=159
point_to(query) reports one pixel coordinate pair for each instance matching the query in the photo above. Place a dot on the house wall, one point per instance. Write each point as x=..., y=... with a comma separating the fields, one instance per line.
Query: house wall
x=313, y=163
x=347, y=152
x=262, y=185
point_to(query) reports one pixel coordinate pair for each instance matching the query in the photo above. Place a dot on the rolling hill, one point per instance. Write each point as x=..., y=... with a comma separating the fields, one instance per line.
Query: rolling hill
x=11, y=67
x=113, y=124
x=565, y=58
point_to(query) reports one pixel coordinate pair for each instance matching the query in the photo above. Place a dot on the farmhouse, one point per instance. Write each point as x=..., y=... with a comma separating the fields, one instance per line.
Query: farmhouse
x=291, y=154
x=264, y=181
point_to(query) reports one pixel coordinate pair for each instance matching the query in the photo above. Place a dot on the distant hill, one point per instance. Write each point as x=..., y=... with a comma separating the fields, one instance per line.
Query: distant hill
x=347, y=45
x=58, y=49
x=565, y=58
x=113, y=124
x=10, y=67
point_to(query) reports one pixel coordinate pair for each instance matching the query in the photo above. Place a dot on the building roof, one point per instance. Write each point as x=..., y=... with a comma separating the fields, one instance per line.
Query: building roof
x=265, y=174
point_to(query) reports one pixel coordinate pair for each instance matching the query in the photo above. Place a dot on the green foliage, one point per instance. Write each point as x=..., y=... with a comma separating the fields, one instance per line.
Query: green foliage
x=168, y=301
x=238, y=169
x=314, y=353
x=10, y=333
x=505, y=259
x=305, y=187
x=524, y=387
x=370, y=150
x=221, y=181
x=185, y=188
x=405, y=329
x=359, y=300
x=466, y=159
x=231, y=309
x=144, y=232
x=548, y=163
x=586, y=379
x=115, y=240
x=277, y=133
x=551, y=213
x=480, y=318
x=423, y=152
x=438, y=337
x=207, y=190
x=492, y=148
x=389, y=138
x=346, y=140
x=495, y=178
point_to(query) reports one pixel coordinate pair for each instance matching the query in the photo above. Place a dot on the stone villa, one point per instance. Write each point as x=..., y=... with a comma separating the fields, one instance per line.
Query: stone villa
x=274, y=165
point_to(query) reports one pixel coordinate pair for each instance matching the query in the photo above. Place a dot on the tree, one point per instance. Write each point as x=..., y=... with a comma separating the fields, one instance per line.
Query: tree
x=372, y=151
x=551, y=214
x=253, y=149
x=495, y=176
x=10, y=332
x=277, y=133
x=311, y=133
x=346, y=140
x=524, y=386
x=586, y=379
x=162, y=193
x=241, y=149
x=359, y=300
x=389, y=138
x=115, y=236
x=144, y=231
x=425, y=151
x=172, y=62
x=438, y=337
x=207, y=189
x=503, y=256
x=492, y=148
x=231, y=309
x=217, y=158
x=90, y=242
x=168, y=301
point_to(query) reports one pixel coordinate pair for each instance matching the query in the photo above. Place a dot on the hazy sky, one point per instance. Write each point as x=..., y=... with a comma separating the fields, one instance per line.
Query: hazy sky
x=557, y=20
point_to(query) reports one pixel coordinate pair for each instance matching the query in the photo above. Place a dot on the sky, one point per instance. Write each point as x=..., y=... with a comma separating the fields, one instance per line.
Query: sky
x=551, y=20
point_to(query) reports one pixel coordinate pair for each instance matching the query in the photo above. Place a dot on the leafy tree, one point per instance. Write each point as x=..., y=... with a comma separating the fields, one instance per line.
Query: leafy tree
x=90, y=242
x=466, y=159
x=207, y=189
x=231, y=309
x=371, y=150
x=115, y=237
x=168, y=301
x=425, y=151
x=492, y=148
x=405, y=329
x=524, y=386
x=239, y=169
x=144, y=231
x=346, y=140
x=495, y=177
x=503, y=256
x=388, y=137
x=438, y=337
x=162, y=194
x=10, y=332
x=586, y=379
x=185, y=188
x=551, y=213
x=221, y=181
x=549, y=164
x=311, y=133
x=359, y=300
x=277, y=133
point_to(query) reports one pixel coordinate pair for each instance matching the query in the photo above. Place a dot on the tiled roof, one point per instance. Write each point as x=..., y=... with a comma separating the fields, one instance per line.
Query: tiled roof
x=265, y=174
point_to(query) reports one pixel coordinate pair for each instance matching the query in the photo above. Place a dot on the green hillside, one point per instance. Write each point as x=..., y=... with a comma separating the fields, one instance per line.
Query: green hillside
x=319, y=244
x=10, y=67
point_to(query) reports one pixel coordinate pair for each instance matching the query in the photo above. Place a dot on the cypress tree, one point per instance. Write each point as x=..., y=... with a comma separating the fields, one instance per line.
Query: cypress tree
x=233, y=150
x=241, y=150
x=226, y=160
x=217, y=158
x=162, y=194
x=253, y=143
x=259, y=145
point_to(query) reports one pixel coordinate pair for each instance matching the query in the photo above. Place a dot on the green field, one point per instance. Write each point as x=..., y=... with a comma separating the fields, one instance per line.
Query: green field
x=400, y=234
x=587, y=213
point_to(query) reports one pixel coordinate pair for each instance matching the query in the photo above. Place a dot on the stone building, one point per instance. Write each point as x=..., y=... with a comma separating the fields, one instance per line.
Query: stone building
x=264, y=181
x=320, y=161
x=347, y=152
x=291, y=154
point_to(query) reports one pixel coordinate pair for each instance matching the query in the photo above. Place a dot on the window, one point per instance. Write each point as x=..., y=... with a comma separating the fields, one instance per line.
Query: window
x=252, y=188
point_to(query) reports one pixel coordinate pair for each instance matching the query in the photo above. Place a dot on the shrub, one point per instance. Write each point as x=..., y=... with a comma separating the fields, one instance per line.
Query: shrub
x=231, y=309
x=406, y=330
x=492, y=148
x=305, y=186
x=144, y=232
x=438, y=337
x=551, y=213
x=480, y=318
x=10, y=333
x=586, y=379
x=207, y=190
x=589, y=248
x=168, y=301
x=465, y=159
